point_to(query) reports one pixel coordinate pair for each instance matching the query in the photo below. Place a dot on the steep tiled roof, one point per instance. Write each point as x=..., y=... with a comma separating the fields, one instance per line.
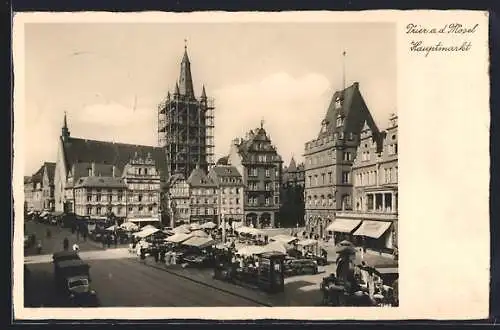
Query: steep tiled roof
x=292, y=167
x=248, y=145
x=38, y=176
x=226, y=171
x=199, y=178
x=109, y=153
x=100, y=182
x=223, y=160
x=353, y=108
x=27, y=179
x=51, y=169
x=82, y=170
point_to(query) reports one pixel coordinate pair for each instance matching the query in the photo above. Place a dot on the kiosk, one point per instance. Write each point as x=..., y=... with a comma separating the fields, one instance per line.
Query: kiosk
x=271, y=273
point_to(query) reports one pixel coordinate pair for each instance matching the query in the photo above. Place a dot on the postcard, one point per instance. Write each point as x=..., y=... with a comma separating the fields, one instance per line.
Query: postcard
x=229, y=166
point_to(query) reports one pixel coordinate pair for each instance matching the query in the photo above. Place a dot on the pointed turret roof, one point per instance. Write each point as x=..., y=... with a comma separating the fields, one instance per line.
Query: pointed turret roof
x=185, y=79
x=176, y=92
x=203, y=93
x=292, y=167
x=65, y=121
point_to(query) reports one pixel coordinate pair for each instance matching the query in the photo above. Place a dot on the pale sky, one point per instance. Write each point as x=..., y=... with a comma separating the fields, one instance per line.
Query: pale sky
x=110, y=78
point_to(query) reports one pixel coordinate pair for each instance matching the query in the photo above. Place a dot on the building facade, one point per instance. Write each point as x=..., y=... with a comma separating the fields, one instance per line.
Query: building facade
x=39, y=189
x=186, y=125
x=375, y=193
x=203, y=194
x=98, y=197
x=292, y=195
x=179, y=201
x=81, y=158
x=260, y=166
x=143, y=183
x=230, y=193
x=329, y=159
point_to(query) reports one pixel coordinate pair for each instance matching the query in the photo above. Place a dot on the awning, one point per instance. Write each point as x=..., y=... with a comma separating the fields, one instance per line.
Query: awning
x=275, y=247
x=343, y=225
x=287, y=239
x=373, y=229
x=249, y=250
x=129, y=226
x=208, y=225
x=178, y=238
x=199, y=242
x=148, y=227
x=146, y=232
x=184, y=229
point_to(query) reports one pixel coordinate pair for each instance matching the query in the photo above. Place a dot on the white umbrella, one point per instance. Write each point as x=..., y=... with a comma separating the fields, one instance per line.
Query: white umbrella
x=250, y=250
x=182, y=229
x=148, y=227
x=195, y=226
x=129, y=226
x=275, y=247
x=208, y=225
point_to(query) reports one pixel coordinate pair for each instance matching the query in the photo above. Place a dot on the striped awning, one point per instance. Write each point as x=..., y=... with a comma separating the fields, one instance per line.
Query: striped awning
x=373, y=229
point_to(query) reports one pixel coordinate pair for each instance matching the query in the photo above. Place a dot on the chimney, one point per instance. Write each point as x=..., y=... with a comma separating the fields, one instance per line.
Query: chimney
x=93, y=169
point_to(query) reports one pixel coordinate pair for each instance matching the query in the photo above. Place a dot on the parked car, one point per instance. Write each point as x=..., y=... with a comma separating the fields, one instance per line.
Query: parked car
x=300, y=267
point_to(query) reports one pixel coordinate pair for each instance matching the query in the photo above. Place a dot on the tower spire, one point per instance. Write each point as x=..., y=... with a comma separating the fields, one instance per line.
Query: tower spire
x=185, y=78
x=343, y=69
x=65, y=134
x=203, y=93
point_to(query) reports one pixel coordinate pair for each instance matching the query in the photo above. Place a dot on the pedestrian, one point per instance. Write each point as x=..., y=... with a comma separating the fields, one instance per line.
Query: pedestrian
x=143, y=254
x=108, y=240
x=39, y=247
x=84, y=234
x=65, y=244
x=103, y=241
x=116, y=240
x=155, y=254
x=77, y=234
x=49, y=234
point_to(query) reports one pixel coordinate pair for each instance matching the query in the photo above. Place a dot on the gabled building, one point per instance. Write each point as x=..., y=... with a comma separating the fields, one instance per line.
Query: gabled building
x=186, y=125
x=80, y=158
x=260, y=166
x=375, y=193
x=203, y=193
x=39, y=189
x=230, y=193
x=179, y=200
x=292, y=195
x=329, y=159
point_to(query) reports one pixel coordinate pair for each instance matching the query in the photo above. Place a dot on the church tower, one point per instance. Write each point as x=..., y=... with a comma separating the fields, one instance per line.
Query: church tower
x=186, y=125
x=65, y=133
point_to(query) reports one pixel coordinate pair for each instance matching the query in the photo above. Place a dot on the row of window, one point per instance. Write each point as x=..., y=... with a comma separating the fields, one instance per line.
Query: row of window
x=369, y=178
x=322, y=179
x=253, y=171
x=204, y=191
x=119, y=198
x=230, y=191
x=255, y=186
x=254, y=201
x=118, y=211
x=143, y=186
x=203, y=201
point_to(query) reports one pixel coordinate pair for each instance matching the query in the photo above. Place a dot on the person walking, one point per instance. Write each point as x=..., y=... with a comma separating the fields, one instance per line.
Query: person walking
x=65, y=244
x=103, y=241
x=39, y=247
x=108, y=240
x=116, y=240
x=84, y=234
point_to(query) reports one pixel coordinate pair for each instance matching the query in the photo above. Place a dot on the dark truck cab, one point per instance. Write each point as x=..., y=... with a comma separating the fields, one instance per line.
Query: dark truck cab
x=72, y=278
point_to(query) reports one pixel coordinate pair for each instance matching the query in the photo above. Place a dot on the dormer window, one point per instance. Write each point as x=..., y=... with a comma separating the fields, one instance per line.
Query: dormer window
x=338, y=103
x=340, y=120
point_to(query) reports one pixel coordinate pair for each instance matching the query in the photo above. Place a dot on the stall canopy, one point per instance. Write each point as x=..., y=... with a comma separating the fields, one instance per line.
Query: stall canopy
x=149, y=227
x=182, y=229
x=199, y=233
x=178, y=238
x=287, y=239
x=343, y=225
x=275, y=247
x=250, y=250
x=208, y=225
x=373, y=229
x=195, y=226
x=307, y=242
x=129, y=226
x=249, y=231
x=112, y=228
x=199, y=242
x=146, y=232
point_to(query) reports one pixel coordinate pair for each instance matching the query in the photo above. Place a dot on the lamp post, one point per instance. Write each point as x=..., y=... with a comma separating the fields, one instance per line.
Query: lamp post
x=223, y=217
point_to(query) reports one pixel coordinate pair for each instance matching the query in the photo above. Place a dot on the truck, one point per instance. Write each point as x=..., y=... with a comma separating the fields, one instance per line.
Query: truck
x=72, y=279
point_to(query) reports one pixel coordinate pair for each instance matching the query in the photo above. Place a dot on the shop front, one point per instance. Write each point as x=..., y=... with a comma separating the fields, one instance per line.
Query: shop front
x=342, y=229
x=376, y=235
